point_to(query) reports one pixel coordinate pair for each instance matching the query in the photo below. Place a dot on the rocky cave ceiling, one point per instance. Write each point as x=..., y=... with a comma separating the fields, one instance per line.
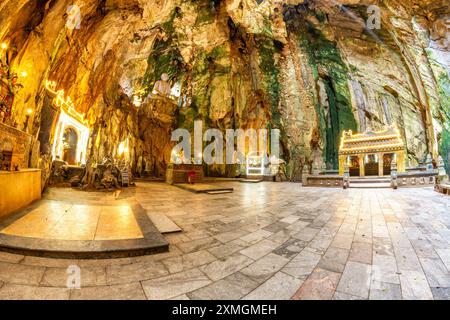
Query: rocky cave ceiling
x=310, y=68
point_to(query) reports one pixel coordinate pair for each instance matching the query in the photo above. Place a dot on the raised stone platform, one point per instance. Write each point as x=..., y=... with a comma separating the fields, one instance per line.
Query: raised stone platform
x=71, y=230
x=18, y=189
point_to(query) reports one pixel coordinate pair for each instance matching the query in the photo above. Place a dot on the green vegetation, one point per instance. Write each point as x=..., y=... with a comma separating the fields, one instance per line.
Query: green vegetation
x=270, y=71
x=444, y=95
x=206, y=67
x=444, y=149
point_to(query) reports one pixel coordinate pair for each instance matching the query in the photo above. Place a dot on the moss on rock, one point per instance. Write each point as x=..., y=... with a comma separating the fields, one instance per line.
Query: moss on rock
x=327, y=65
x=270, y=71
x=444, y=97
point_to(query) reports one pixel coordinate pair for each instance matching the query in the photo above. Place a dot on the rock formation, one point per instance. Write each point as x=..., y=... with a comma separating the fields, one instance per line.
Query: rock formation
x=311, y=68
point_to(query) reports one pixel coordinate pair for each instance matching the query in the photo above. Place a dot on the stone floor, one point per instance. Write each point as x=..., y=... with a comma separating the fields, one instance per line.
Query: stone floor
x=265, y=241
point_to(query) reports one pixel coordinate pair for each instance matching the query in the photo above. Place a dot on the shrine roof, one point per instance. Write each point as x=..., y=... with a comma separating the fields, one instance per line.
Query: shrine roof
x=385, y=140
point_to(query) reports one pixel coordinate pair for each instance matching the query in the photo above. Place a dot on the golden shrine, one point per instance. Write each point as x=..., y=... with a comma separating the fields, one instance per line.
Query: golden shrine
x=372, y=153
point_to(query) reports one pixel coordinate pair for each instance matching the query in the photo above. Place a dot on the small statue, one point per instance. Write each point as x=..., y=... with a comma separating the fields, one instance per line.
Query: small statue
x=429, y=162
x=122, y=100
x=8, y=89
x=346, y=182
x=89, y=178
x=162, y=87
x=281, y=173
x=394, y=175
x=441, y=166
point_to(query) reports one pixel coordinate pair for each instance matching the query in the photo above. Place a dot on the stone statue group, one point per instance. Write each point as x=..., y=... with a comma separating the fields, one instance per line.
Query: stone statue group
x=92, y=176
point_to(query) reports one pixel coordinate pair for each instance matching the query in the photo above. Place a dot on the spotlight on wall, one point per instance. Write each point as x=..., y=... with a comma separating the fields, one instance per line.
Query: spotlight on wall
x=27, y=119
x=123, y=148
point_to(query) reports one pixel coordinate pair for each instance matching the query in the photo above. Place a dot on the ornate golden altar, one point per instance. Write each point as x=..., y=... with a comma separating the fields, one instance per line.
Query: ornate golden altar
x=372, y=153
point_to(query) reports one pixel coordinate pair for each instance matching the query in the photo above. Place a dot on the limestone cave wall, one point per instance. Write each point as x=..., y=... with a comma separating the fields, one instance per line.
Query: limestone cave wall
x=309, y=68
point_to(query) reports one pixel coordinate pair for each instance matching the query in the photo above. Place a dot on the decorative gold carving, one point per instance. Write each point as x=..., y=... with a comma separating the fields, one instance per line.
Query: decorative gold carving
x=17, y=142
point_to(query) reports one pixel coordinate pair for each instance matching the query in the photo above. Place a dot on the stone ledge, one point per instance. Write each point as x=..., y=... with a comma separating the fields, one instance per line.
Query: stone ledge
x=20, y=171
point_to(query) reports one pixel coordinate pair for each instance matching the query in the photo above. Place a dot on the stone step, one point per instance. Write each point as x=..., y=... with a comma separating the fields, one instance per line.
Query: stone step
x=202, y=187
x=219, y=192
x=370, y=180
x=370, y=185
x=163, y=223
x=251, y=180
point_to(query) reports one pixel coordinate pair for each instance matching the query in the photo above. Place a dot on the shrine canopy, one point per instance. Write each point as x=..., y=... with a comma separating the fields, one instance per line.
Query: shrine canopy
x=387, y=140
x=372, y=153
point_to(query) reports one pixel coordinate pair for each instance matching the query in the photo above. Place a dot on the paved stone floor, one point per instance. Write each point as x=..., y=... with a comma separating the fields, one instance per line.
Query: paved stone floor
x=266, y=241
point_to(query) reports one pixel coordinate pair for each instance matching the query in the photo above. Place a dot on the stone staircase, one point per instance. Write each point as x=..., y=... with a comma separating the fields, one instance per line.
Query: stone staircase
x=370, y=182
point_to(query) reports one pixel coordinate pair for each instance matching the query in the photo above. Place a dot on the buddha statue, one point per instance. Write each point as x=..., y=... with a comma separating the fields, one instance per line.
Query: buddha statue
x=162, y=87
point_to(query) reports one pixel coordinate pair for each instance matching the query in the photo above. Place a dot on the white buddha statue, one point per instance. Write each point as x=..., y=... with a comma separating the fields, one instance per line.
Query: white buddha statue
x=162, y=87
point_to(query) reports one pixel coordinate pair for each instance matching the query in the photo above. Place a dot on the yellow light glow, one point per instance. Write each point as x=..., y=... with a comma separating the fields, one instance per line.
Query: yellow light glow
x=395, y=145
x=121, y=148
x=69, y=117
x=29, y=111
x=24, y=74
x=391, y=136
x=4, y=46
x=67, y=121
x=63, y=102
x=50, y=86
